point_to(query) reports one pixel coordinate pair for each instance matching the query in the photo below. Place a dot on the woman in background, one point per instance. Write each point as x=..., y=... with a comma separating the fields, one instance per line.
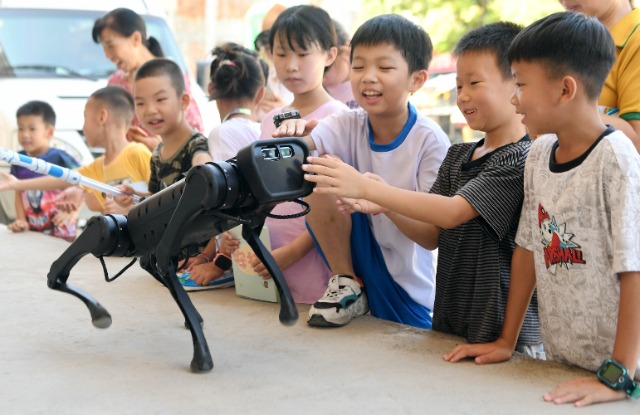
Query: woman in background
x=123, y=36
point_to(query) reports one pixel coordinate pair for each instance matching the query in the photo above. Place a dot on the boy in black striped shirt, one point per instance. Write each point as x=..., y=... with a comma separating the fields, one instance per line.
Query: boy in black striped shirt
x=577, y=241
x=472, y=211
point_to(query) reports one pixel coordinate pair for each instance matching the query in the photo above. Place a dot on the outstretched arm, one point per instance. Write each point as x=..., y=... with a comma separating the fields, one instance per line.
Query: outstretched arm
x=340, y=179
x=39, y=183
x=297, y=128
x=424, y=234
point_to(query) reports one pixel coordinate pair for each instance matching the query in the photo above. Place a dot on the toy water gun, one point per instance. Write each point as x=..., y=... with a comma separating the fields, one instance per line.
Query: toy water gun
x=66, y=175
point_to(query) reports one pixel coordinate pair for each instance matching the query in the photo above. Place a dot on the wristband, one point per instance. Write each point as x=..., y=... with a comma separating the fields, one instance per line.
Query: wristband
x=615, y=376
x=289, y=115
x=206, y=257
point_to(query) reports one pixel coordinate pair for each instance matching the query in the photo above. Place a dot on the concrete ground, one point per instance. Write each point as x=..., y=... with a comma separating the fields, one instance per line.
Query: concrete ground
x=53, y=361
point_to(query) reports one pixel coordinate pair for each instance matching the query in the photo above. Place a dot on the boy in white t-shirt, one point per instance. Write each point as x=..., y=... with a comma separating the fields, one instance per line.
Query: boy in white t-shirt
x=386, y=136
x=577, y=240
x=472, y=211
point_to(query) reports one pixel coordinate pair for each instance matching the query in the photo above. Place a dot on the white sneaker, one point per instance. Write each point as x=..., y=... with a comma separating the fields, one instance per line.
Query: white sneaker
x=341, y=303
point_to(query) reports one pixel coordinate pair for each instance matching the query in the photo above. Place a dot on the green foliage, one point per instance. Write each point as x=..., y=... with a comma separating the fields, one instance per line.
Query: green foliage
x=447, y=20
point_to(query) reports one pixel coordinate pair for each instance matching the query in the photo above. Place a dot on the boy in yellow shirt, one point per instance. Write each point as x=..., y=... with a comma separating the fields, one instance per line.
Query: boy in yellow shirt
x=107, y=116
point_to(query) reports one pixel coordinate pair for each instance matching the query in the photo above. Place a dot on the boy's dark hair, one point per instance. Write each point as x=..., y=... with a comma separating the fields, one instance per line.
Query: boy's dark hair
x=160, y=67
x=119, y=102
x=408, y=38
x=126, y=22
x=305, y=25
x=493, y=38
x=568, y=43
x=237, y=72
x=262, y=40
x=40, y=109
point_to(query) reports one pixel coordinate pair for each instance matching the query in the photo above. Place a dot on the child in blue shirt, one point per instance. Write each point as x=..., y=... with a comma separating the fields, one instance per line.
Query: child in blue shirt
x=36, y=209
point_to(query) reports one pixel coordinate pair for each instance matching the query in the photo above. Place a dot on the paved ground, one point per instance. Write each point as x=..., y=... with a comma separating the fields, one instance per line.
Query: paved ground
x=53, y=361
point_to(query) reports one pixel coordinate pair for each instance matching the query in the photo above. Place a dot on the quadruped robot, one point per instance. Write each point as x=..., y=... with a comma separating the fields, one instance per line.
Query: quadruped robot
x=168, y=226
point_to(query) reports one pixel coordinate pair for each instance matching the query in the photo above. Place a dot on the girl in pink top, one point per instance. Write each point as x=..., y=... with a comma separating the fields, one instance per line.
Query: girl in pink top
x=304, y=44
x=123, y=36
x=337, y=78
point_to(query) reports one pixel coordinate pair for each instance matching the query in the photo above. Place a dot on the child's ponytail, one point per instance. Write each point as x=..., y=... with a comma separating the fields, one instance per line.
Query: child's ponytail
x=236, y=72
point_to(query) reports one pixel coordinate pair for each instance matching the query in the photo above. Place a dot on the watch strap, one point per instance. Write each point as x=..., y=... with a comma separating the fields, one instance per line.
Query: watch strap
x=626, y=383
x=634, y=391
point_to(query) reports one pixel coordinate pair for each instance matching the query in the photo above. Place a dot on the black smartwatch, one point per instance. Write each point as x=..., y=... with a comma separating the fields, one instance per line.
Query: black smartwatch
x=222, y=261
x=614, y=375
x=289, y=115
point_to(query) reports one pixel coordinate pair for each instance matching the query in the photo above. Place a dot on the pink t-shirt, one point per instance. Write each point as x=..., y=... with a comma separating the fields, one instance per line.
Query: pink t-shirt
x=308, y=277
x=344, y=93
x=192, y=114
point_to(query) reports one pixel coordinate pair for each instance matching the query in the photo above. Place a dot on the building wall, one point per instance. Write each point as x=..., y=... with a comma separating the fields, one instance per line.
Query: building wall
x=199, y=25
x=189, y=26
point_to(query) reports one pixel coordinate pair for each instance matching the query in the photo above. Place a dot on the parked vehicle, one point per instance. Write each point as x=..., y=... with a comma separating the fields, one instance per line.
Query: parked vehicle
x=47, y=53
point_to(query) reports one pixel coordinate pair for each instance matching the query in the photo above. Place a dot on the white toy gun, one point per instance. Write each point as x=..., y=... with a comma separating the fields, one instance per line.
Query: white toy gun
x=66, y=175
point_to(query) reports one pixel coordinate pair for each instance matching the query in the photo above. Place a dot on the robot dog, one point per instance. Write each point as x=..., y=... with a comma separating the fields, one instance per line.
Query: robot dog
x=168, y=226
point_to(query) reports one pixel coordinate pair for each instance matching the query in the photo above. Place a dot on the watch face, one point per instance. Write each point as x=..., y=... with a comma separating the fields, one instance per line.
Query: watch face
x=223, y=262
x=290, y=114
x=612, y=373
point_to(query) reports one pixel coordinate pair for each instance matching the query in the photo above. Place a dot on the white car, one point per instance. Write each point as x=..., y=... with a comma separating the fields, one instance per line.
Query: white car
x=47, y=53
